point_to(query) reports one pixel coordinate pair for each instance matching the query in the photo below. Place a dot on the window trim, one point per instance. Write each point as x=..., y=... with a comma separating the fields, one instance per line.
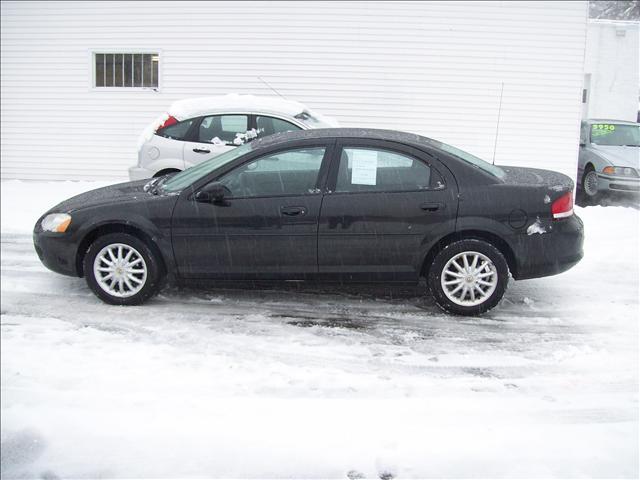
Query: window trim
x=335, y=166
x=116, y=50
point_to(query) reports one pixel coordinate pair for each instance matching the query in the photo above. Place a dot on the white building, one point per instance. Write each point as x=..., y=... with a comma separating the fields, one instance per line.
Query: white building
x=434, y=68
x=612, y=70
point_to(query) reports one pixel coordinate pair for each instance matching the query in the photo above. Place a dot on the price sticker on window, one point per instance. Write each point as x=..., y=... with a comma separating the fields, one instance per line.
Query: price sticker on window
x=364, y=167
x=600, y=129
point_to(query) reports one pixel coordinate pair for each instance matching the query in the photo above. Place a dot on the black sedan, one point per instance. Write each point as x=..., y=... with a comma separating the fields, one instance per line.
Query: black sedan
x=334, y=205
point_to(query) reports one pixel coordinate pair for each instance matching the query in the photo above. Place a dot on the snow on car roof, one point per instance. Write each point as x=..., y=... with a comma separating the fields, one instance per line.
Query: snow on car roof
x=194, y=107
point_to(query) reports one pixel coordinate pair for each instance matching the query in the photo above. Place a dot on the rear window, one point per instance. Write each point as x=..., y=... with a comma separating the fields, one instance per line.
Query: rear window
x=177, y=131
x=468, y=158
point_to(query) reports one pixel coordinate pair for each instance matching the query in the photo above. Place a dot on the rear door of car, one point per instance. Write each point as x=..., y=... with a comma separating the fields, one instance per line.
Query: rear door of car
x=384, y=203
x=213, y=135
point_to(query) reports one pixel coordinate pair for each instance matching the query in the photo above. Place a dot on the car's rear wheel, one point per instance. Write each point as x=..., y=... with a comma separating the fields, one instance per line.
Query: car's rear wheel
x=121, y=269
x=468, y=277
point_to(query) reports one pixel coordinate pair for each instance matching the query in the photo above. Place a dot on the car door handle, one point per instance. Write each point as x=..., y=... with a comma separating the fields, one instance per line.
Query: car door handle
x=293, y=211
x=431, y=207
x=201, y=150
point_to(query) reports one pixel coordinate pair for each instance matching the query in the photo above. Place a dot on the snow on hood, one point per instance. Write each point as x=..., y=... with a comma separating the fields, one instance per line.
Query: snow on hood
x=618, y=156
x=195, y=107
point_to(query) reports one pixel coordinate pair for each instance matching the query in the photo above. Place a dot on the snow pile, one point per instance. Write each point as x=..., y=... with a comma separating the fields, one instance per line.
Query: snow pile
x=23, y=202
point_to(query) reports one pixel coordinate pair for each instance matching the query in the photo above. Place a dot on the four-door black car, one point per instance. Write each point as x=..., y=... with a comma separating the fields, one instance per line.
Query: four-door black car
x=337, y=205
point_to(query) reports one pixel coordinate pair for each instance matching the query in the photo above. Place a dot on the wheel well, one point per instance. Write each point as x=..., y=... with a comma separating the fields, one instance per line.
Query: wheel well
x=165, y=172
x=588, y=167
x=115, y=228
x=491, y=238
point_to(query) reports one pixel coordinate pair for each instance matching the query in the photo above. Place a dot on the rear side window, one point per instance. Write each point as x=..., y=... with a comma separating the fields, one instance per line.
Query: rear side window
x=371, y=170
x=222, y=128
x=269, y=126
x=177, y=131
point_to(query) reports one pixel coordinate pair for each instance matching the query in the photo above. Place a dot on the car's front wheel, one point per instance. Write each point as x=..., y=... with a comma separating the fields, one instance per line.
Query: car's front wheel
x=121, y=269
x=590, y=184
x=468, y=277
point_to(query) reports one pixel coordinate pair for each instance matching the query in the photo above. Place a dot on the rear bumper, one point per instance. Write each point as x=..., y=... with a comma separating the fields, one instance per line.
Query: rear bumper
x=550, y=253
x=618, y=184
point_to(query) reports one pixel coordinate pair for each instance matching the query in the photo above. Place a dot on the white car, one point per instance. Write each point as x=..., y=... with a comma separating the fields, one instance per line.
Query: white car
x=198, y=129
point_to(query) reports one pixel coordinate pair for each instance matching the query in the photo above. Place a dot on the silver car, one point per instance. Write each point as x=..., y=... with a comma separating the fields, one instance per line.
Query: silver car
x=195, y=130
x=609, y=159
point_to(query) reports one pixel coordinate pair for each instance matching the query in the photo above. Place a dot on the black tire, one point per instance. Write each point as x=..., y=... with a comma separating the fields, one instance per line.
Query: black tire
x=496, y=271
x=147, y=284
x=589, y=197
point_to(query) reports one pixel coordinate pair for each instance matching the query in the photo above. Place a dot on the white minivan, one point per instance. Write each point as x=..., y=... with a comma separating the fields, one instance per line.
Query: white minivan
x=198, y=129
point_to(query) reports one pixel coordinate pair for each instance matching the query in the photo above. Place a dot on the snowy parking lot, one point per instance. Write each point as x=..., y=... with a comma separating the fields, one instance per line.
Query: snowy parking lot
x=318, y=382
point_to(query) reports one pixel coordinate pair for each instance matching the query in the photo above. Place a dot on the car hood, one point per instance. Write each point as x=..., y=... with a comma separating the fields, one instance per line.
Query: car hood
x=618, y=156
x=120, y=192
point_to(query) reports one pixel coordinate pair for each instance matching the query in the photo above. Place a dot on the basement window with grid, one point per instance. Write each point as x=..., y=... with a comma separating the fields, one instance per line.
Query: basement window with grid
x=126, y=70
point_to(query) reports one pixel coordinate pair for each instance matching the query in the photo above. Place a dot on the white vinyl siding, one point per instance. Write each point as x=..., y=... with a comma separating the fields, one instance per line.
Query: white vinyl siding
x=433, y=68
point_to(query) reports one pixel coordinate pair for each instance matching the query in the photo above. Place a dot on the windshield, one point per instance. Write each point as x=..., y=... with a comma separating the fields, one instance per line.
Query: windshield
x=472, y=159
x=190, y=175
x=614, y=134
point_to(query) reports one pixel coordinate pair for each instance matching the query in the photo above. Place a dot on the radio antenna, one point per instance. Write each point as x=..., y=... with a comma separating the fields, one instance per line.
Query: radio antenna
x=495, y=141
x=273, y=89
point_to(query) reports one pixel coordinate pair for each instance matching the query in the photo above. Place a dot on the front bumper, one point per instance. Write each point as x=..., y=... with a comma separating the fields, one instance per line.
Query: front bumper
x=607, y=183
x=549, y=253
x=56, y=252
x=139, y=173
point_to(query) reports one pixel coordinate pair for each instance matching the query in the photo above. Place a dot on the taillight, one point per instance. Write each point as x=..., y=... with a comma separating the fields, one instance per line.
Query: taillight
x=168, y=122
x=563, y=206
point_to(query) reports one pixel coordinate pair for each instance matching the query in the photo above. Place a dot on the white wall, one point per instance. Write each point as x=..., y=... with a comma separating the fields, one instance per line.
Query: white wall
x=613, y=62
x=434, y=68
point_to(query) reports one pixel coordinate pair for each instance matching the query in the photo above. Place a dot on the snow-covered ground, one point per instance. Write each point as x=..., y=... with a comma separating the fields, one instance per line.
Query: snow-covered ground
x=305, y=383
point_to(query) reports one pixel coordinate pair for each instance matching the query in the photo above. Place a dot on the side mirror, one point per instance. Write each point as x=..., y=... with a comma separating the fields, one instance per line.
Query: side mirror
x=211, y=193
x=583, y=144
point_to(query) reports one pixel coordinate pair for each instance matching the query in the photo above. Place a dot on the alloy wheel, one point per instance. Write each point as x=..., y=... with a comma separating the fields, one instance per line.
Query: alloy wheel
x=120, y=270
x=469, y=279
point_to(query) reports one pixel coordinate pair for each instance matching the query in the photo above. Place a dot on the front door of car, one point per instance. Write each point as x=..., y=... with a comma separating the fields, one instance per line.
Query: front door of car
x=264, y=227
x=383, y=204
x=214, y=134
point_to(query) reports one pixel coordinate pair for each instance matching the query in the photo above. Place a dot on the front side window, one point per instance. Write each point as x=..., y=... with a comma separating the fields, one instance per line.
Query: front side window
x=270, y=125
x=292, y=172
x=611, y=134
x=372, y=170
x=222, y=128
x=126, y=70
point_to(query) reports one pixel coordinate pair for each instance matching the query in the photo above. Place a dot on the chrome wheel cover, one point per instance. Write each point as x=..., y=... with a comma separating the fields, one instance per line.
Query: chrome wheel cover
x=469, y=278
x=590, y=183
x=120, y=270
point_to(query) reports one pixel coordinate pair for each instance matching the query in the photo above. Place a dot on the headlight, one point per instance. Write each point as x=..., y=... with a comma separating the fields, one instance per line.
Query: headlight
x=56, y=222
x=620, y=171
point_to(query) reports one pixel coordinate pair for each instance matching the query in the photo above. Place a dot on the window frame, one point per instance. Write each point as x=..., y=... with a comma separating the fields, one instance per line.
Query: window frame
x=92, y=52
x=396, y=148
